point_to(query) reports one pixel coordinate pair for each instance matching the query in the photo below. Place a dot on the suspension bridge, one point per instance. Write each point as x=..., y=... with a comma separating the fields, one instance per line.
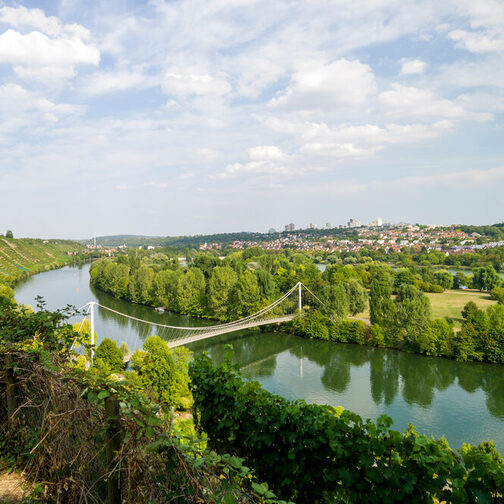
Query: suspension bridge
x=282, y=310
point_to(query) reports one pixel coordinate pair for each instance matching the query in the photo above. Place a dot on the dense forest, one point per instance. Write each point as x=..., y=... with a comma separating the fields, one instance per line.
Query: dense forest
x=244, y=282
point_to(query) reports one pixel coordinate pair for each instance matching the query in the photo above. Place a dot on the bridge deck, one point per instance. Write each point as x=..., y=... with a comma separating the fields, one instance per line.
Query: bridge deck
x=224, y=330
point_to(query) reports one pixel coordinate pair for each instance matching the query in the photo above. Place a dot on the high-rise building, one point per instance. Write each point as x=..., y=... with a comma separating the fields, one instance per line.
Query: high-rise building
x=354, y=223
x=290, y=227
x=377, y=222
x=328, y=225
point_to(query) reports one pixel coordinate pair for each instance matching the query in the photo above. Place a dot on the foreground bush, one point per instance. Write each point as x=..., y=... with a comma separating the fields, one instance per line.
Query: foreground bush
x=55, y=427
x=314, y=453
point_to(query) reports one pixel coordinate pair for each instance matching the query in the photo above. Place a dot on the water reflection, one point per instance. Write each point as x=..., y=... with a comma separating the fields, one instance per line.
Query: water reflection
x=465, y=401
x=384, y=376
x=417, y=379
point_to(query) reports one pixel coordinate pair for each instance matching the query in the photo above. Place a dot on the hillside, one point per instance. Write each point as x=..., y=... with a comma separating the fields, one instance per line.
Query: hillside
x=25, y=256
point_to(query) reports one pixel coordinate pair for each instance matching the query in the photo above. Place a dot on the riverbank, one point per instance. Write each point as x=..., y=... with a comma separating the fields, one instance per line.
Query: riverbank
x=368, y=380
x=22, y=257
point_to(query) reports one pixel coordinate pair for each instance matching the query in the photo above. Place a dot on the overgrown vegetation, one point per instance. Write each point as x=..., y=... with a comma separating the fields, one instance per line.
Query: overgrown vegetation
x=53, y=426
x=313, y=453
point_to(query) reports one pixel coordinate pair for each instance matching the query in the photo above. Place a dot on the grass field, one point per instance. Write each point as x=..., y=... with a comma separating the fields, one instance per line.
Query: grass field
x=450, y=304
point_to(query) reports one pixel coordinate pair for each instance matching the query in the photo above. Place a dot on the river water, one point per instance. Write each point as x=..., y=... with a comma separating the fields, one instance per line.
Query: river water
x=462, y=401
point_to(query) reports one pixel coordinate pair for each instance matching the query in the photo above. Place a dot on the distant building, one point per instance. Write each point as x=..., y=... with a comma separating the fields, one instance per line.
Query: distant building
x=290, y=227
x=353, y=223
x=328, y=225
x=312, y=226
x=376, y=223
x=271, y=230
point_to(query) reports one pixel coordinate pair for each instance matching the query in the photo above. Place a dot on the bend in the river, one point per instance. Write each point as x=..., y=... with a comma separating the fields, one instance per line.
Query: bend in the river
x=464, y=401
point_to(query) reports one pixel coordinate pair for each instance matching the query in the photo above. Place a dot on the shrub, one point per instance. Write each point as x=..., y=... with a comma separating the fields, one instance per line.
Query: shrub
x=497, y=293
x=377, y=336
x=108, y=357
x=164, y=372
x=436, y=339
x=311, y=453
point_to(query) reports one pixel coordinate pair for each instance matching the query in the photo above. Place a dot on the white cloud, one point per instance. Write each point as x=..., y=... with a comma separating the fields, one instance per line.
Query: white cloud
x=188, y=84
x=45, y=74
x=37, y=55
x=121, y=187
x=477, y=42
x=342, y=83
x=36, y=49
x=100, y=83
x=346, y=141
x=466, y=178
x=364, y=141
x=17, y=103
x=409, y=101
x=412, y=66
x=21, y=17
x=206, y=154
x=266, y=153
x=255, y=168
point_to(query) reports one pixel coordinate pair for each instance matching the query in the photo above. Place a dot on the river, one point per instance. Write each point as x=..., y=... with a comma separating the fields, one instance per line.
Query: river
x=463, y=401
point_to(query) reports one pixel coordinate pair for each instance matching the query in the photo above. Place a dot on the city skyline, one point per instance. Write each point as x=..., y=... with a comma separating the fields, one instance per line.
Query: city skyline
x=189, y=117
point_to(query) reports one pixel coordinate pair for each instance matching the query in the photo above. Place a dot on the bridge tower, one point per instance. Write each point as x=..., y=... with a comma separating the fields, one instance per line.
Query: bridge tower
x=300, y=285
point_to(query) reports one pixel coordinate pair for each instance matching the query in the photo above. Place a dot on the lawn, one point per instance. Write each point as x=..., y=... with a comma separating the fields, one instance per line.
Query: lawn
x=450, y=303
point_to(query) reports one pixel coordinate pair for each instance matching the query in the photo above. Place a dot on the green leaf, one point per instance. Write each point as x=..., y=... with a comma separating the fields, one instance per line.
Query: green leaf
x=259, y=489
x=103, y=394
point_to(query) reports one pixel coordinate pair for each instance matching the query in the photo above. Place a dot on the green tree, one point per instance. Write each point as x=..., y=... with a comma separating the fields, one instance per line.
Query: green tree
x=245, y=297
x=164, y=372
x=109, y=357
x=9, y=234
x=191, y=291
x=444, y=278
x=469, y=310
x=404, y=276
x=436, y=338
x=460, y=280
x=357, y=296
x=464, y=344
x=492, y=344
x=143, y=281
x=220, y=285
x=381, y=307
x=486, y=278
x=6, y=292
x=412, y=313
x=497, y=293
x=206, y=263
x=336, y=299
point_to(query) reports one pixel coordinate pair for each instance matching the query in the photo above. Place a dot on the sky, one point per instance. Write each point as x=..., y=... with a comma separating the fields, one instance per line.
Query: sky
x=194, y=116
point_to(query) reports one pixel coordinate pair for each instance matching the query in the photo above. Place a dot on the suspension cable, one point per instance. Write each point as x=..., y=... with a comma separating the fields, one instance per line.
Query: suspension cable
x=207, y=328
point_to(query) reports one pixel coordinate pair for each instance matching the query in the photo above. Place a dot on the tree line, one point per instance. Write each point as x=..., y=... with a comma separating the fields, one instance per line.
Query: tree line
x=244, y=282
x=239, y=285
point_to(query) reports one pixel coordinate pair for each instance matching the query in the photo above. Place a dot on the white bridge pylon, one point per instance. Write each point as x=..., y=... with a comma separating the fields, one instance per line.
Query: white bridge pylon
x=283, y=309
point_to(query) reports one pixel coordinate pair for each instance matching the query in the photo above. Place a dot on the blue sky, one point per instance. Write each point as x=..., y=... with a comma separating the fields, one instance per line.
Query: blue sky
x=195, y=116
